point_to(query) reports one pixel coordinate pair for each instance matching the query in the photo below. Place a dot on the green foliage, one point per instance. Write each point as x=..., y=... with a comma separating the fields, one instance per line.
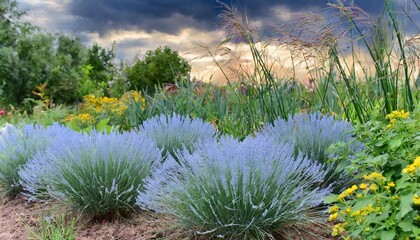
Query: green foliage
x=384, y=42
x=58, y=227
x=98, y=72
x=63, y=71
x=386, y=204
x=163, y=65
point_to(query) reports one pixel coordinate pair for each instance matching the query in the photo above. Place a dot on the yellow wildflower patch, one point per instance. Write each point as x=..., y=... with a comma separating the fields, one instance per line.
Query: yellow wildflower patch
x=398, y=115
x=374, y=176
x=412, y=168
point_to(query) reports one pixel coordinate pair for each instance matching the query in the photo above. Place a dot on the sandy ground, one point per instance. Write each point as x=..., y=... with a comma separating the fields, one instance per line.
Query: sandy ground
x=18, y=219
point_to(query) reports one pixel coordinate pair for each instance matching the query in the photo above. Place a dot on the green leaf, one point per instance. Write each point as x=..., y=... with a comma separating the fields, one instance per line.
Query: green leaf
x=363, y=202
x=406, y=225
x=387, y=235
x=102, y=124
x=405, y=205
x=395, y=143
x=330, y=198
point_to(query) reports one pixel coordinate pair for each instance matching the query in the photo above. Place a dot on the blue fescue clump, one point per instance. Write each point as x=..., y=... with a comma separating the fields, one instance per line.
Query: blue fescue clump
x=236, y=189
x=99, y=174
x=18, y=145
x=175, y=132
x=312, y=134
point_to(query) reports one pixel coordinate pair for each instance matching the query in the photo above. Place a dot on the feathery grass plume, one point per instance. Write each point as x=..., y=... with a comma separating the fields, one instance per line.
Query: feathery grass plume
x=174, y=132
x=18, y=145
x=312, y=134
x=99, y=174
x=236, y=189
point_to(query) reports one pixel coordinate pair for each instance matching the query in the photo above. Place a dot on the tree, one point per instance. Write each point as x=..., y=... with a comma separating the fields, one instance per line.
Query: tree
x=101, y=66
x=65, y=69
x=160, y=66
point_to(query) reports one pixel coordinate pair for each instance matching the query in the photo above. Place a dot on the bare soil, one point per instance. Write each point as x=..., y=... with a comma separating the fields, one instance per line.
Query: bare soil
x=19, y=218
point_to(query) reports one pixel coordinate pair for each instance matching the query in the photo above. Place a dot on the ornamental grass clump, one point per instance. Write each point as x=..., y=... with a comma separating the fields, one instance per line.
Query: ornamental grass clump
x=175, y=132
x=99, y=174
x=312, y=134
x=233, y=189
x=18, y=145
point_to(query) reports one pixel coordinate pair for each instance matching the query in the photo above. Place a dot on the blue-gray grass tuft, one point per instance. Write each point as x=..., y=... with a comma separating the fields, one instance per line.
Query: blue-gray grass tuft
x=236, y=189
x=312, y=134
x=99, y=174
x=18, y=145
x=174, y=132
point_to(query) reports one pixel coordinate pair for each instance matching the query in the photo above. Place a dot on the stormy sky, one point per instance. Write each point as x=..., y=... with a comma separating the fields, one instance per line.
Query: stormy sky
x=139, y=25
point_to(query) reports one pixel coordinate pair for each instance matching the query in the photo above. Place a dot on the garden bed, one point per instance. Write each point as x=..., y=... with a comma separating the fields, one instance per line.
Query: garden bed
x=18, y=218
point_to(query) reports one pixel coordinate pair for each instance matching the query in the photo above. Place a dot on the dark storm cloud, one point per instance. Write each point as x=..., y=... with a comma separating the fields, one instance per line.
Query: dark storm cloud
x=170, y=16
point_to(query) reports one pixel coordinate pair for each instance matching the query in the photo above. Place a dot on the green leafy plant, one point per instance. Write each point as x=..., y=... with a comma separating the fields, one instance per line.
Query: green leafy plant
x=386, y=204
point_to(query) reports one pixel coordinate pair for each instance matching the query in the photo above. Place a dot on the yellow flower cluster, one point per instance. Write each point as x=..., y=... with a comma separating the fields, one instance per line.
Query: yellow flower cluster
x=347, y=192
x=389, y=186
x=393, y=116
x=365, y=211
x=412, y=168
x=334, y=212
x=338, y=229
x=105, y=104
x=82, y=118
x=398, y=115
x=374, y=176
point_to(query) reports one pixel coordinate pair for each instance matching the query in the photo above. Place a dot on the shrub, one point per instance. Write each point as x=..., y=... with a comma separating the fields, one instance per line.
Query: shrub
x=174, y=132
x=386, y=205
x=18, y=145
x=160, y=66
x=236, y=189
x=98, y=173
x=312, y=134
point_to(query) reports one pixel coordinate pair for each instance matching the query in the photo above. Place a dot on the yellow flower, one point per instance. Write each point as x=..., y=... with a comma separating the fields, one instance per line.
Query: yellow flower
x=391, y=124
x=412, y=168
x=69, y=118
x=416, y=200
x=333, y=216
x=338, y=229
x=391, y=184
x=373, y=187
x=356, y=213
x=347, y=192
x=374, y=176
x=348, y=210
x=333, y=209
x=359, y=195
x=363, y=186
x=395, y=198
x=398, y=115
